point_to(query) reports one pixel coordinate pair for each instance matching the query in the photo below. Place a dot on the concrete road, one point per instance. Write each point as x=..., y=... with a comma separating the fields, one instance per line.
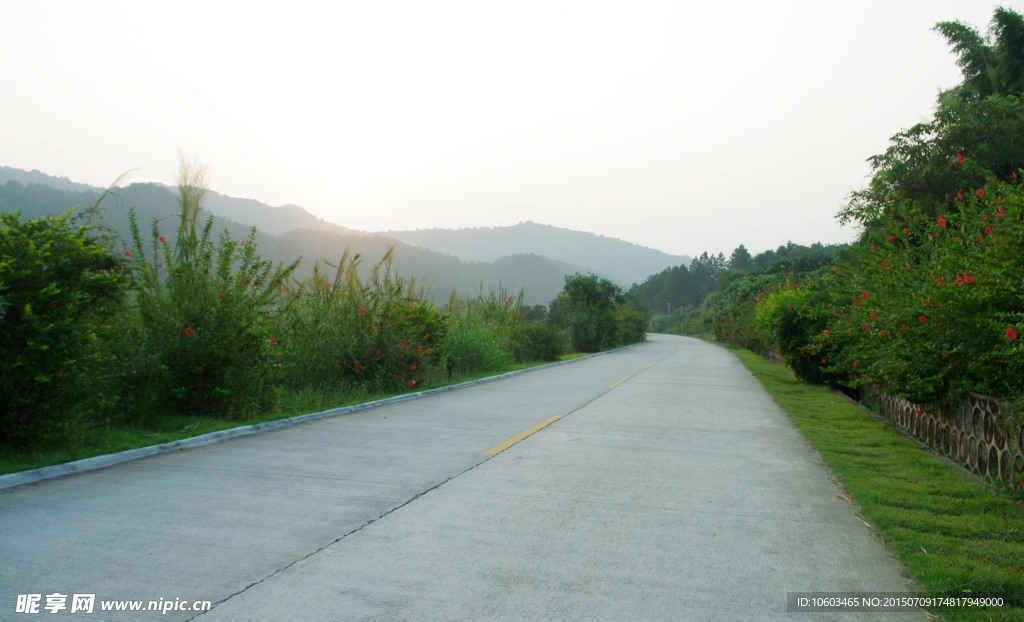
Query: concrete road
x=658, y=482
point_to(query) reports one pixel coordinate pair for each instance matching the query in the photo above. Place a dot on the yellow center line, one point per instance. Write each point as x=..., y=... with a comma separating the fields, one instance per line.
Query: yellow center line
x=619, y=381
x=497, y=449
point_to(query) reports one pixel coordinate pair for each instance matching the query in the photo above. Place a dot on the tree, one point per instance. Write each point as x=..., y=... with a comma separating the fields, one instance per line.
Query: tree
x=989, y=67
x=741, y=259
x=704, y=272
x=975, y=137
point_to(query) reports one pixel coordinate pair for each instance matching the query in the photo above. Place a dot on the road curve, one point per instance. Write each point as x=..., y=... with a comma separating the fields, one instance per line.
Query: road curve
x=657, y=482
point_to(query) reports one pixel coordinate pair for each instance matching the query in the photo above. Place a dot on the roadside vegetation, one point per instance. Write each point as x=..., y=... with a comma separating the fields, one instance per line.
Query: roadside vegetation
x=108, y=344
x=928, y=302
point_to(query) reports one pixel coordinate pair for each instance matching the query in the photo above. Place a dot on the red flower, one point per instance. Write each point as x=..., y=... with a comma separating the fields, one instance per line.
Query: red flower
x=960, y=196
x=874, y=316
x=411, y=384
x=161, y=238
x=906, y=231
x=942, y=221
x=872, y=248
x=891, y=237
x=980, y=192
x=988, y=230
x=1000, y=213
x=864, y=294
x=357, y=362
x=922, y=319
x=188, y=332
x=273, y=341
x=1011, y=332
x=968, y=278
x=959, y=158
x=867, y=329
x=903, y=327
x=160, y=266
x=362, y=311
x=127, y=252
x=430, y=351
x=220, y=297
x=242, y=243
x=412, y=368
x=906, y=266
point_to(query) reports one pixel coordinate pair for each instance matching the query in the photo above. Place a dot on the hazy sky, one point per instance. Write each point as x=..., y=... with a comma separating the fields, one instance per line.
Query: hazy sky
x=683, y=126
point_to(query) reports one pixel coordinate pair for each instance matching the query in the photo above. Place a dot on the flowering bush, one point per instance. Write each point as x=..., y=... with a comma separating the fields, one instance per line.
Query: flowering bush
x=929, y=304
x=944, y=298
x=205, y=316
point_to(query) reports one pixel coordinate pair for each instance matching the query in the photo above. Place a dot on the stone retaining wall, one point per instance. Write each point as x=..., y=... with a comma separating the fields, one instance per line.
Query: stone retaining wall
x=980, y=433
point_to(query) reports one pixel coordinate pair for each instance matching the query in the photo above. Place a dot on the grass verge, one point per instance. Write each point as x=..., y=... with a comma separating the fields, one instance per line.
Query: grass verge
x=954, y=533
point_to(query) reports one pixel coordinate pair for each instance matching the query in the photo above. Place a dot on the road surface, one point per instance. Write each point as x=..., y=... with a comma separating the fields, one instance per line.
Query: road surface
x=656, y=482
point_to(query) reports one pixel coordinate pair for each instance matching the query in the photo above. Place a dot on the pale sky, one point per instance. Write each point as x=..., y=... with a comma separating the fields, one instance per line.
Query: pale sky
x=682, y=126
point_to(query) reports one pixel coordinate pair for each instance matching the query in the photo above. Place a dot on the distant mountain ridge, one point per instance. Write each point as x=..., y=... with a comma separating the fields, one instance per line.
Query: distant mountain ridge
x=528, y=256
x=617, y=260
x=35, y=176
x=268, y=219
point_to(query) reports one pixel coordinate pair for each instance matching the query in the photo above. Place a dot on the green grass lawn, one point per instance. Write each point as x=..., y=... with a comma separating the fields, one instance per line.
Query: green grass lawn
x=954, y=533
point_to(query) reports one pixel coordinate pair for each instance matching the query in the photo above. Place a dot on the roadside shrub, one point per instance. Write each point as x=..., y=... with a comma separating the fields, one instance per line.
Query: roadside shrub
x=630, y=323
x=206, y=335
x=735, y=312
x=590, y=331
x=484, y=333
x=382, y=335
x=596, y=315
x=541, y=342
x=933, y=306
x=62, y=285
x=792, y=318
